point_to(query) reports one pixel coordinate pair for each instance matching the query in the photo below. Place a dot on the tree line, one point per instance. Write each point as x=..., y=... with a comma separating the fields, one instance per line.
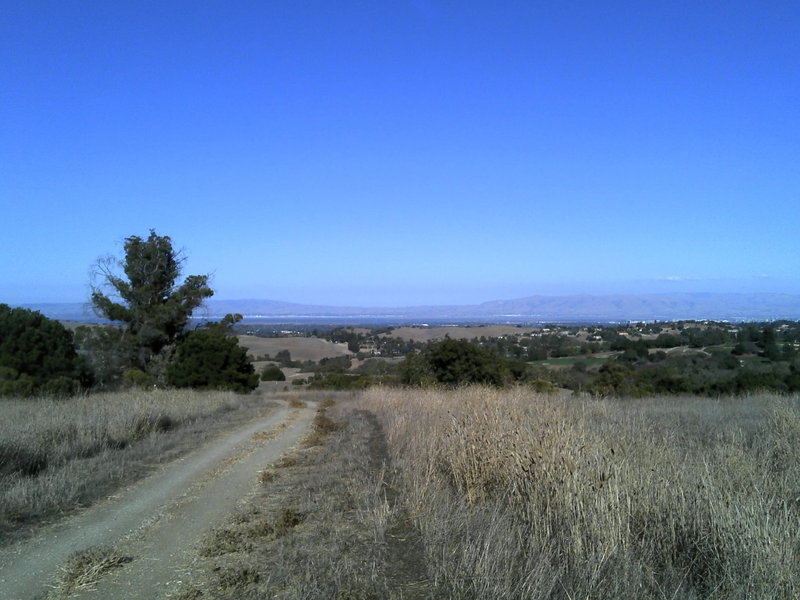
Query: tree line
x=148, y=343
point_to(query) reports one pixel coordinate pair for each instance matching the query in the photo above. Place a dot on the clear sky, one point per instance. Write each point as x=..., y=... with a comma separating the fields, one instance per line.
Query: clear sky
x=404, y=152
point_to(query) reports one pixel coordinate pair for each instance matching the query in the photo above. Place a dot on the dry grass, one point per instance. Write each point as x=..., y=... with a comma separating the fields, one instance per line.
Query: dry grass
x=321, y=529
x=83, y=570
x=300, y=348
x=518, y=495
x=296, y=403
x=427, y=334
x=479, y=493
x=57, y=455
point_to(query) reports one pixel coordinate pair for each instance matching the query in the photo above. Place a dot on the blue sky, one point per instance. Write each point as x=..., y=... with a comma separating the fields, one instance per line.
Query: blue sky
x=408, y=152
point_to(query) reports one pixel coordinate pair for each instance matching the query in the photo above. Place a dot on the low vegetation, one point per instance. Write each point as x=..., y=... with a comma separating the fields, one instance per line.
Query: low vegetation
x=323, y=526
x=632, y=360
x=56, y=455
x=485, y=493
x=84, y=569
x=518, y=495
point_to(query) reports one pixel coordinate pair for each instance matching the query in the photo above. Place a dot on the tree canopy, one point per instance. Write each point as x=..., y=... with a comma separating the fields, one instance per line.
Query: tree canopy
x=147, y=298
x=209, y=359
x=452, y=363
x=37, y=355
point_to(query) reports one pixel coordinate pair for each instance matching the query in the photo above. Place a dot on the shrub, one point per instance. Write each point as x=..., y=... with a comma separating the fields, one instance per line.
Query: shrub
x=208, y=359
x=60, y=387
x=340, y=381
x=542, y=386
x=272, y=373
x=453, y=363
x=102, y=347
x=34, y=351
x=134, y=378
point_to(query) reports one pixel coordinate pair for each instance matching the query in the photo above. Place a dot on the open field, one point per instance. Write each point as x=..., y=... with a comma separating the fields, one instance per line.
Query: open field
x=524, y=496
x=479, y=493
x=426, y=334
x=301, y=348
x=483, y=493
x=57, y=455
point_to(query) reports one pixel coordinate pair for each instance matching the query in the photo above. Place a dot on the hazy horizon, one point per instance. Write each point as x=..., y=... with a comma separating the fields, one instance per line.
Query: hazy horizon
x=439, y=298
x=404, y=153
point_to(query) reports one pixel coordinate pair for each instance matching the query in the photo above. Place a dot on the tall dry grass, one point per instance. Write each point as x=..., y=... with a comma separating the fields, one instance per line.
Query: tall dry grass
x=519, y=495
x=58, y=454
x=319, y=529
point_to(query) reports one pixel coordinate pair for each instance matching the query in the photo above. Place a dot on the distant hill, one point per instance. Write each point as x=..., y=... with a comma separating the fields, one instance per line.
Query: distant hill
x=617, y=307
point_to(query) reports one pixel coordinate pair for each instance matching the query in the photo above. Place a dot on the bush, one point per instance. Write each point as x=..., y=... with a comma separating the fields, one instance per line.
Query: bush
x=284, y=357
x=34, y=351
x=340, y=381
x=102, y=347
x=453, y=363
x=542, y=386
x=208, y=359
x=134, y=378
x=60, y=387
x=272, y=373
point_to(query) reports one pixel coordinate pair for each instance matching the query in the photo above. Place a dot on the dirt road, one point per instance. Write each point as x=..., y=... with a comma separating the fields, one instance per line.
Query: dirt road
x=157, y=522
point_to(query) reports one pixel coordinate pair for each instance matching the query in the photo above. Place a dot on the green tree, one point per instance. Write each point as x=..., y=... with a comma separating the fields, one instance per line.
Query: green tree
x=101, y=348
x=613, y=379
x=272, y=373
x=452, y=363
x=147, y=299
x=209, y=359
x=37, y=355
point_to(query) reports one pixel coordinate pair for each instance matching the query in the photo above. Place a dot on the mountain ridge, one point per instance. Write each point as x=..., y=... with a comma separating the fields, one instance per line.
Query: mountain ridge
x=588, y=307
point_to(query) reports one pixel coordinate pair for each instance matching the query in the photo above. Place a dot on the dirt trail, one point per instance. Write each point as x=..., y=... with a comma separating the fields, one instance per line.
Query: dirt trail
x=158, y=521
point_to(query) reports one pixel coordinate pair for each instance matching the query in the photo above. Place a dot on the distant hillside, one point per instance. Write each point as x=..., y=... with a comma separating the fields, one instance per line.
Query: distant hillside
x=618, y=307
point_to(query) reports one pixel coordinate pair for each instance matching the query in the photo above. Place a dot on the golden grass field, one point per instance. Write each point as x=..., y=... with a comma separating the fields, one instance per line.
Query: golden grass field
x=470, y=494
x=479, y=493
x=301, y=348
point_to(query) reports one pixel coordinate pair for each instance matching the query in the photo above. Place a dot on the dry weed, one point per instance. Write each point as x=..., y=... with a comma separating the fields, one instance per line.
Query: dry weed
x=297, y=403
x=85, y=568
x=519, y=494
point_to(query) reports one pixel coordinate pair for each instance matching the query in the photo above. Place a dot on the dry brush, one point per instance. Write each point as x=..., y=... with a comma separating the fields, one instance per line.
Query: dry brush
x=519, y=495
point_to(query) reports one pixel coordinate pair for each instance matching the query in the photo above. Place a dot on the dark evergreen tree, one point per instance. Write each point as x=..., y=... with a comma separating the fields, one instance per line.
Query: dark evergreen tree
x=209, y=359
x=147, y=299
x=272, y=373
x=37, y=355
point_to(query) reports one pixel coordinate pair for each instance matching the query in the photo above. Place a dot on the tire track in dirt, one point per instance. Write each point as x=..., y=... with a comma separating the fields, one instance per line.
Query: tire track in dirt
x=158, y=521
